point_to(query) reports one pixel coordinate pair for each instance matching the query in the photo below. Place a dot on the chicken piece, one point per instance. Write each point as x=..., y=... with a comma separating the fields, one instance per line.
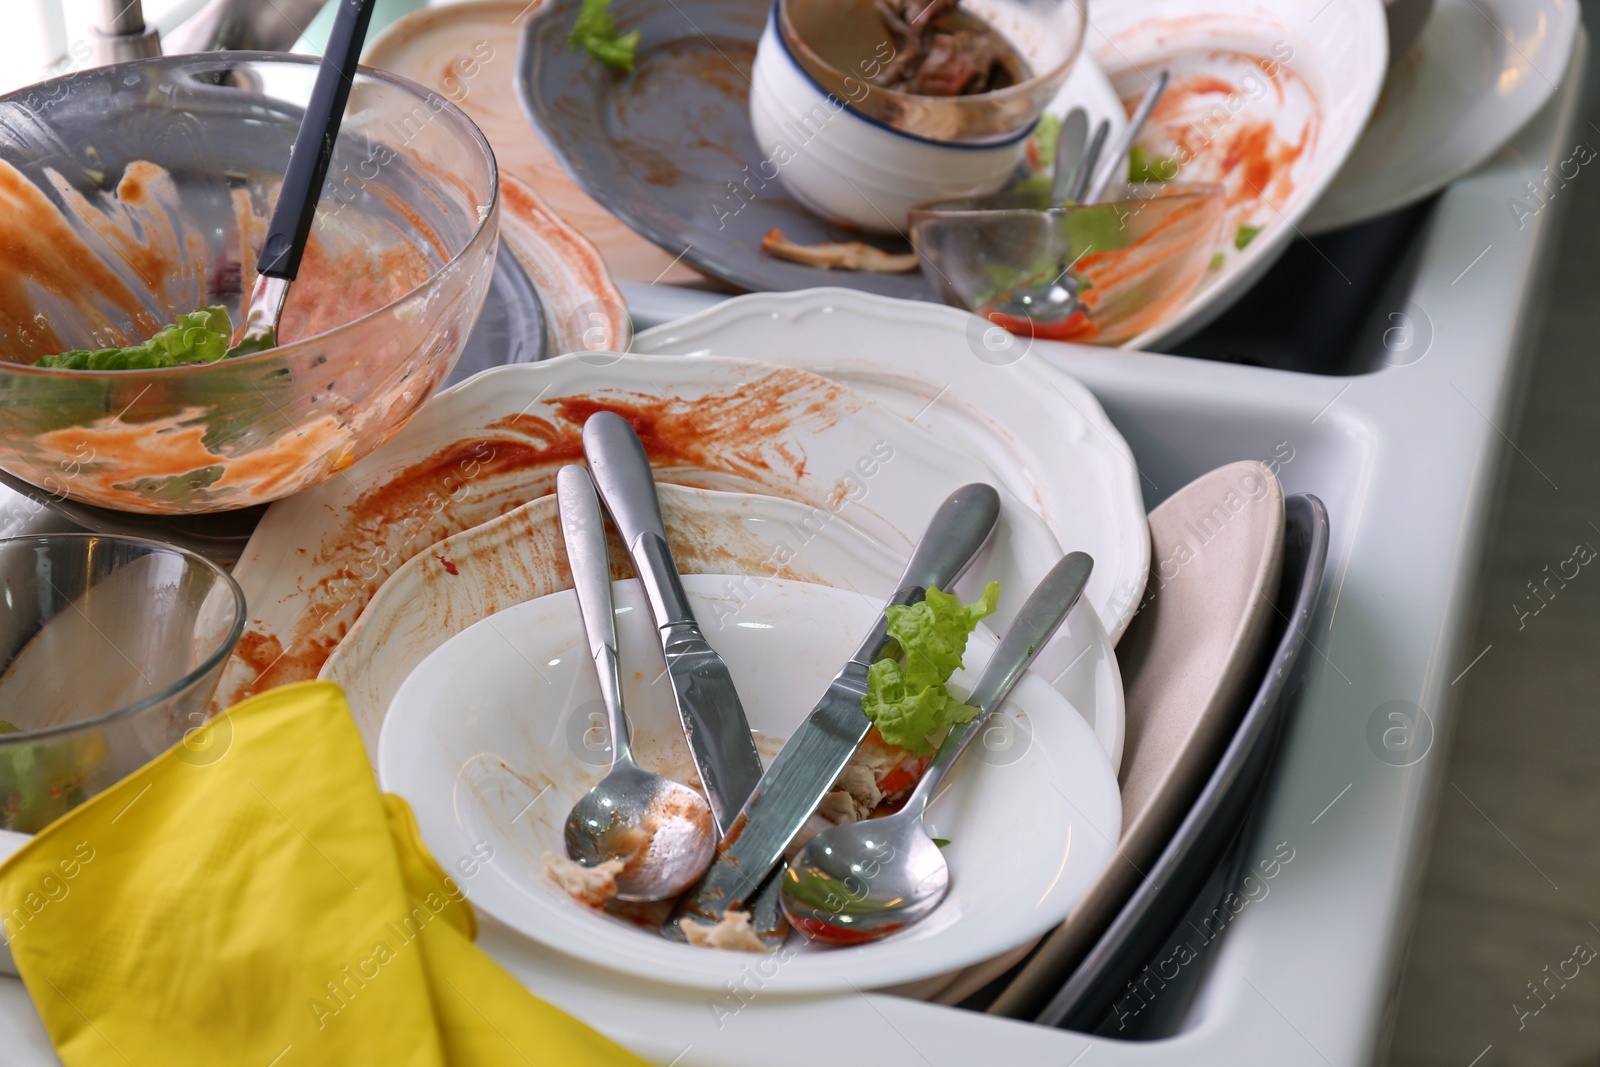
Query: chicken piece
x=733, y=934
x=860, y=783
x=839, y=255
x=590, y=886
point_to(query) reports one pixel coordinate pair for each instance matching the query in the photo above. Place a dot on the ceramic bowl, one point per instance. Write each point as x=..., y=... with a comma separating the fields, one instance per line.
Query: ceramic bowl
x=491, y=741
x=1135, y=260
x=850, y=169
x=141, y=191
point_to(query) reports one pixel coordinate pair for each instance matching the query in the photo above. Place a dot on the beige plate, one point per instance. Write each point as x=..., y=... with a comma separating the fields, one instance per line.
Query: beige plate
x=1189, y=660
x=468, y=52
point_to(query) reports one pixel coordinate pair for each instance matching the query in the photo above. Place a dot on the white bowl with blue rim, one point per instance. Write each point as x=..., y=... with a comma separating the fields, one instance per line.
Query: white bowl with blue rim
x=863, y=156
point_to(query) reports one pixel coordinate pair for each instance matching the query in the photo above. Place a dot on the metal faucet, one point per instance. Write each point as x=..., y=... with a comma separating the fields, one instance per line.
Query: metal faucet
x=121, y=33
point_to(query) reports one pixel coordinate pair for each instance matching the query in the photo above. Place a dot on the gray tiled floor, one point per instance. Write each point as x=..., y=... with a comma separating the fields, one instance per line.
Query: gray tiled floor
x=1513, y=880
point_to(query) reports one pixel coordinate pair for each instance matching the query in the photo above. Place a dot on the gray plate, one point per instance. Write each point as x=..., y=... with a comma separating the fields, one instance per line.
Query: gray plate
x=664, y=147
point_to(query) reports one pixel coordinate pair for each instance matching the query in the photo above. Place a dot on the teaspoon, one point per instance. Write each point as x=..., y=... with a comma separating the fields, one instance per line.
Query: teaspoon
x=864, y=880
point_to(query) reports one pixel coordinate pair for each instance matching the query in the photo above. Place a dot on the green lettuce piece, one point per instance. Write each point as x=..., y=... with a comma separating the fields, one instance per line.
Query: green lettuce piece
x=596, y=33
x=1246, y=234
x=199, y=337
x=1144, y=167
x=906, y=695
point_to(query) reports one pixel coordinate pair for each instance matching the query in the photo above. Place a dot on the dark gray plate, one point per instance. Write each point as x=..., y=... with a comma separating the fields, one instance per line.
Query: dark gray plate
x=510, y=329
x=1098, y=991
x=664, y=148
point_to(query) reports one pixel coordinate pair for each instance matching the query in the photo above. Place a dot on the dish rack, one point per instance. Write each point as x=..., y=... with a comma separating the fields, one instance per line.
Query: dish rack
x=1381, y=370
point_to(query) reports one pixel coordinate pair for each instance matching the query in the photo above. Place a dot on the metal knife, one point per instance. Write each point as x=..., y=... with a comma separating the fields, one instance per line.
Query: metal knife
x=713, y=719
x=811, y=761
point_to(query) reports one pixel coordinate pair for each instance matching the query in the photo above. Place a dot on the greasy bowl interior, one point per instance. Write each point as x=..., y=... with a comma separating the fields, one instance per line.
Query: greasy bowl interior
x=843, y=46
x=1135, y=259
x=134, y=193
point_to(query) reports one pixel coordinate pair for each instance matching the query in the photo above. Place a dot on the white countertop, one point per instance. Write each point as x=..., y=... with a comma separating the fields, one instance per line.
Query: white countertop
x=1406, y=460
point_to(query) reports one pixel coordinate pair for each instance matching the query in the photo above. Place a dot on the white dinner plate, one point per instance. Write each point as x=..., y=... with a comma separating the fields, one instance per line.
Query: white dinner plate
x=496, y=441
x=1034, y=425
x=1478, y=73
x=486, y=740
x=520, y=556
x=1267, y=98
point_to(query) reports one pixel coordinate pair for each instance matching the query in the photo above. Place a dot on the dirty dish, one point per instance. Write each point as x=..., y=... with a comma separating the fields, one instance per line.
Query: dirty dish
x=151, y=225
x=110, y=648
x=1266, y=100
x=507, y=773
x=1121, y=267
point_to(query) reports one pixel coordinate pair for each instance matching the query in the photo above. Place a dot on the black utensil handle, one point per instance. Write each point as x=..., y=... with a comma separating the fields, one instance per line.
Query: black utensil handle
x=313, y=145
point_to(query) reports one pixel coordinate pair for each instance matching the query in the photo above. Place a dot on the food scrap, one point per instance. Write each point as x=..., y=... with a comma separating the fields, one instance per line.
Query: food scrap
x=1145, y=167
x=1244, y=236
x=595, y=31
x=906, y=696
x=198, y=337
x=732, y=934
x=838, y=255
x=941, y=50
x=591, y=886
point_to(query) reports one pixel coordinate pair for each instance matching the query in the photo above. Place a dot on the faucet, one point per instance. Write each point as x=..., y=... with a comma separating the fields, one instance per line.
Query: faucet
x=121, y=33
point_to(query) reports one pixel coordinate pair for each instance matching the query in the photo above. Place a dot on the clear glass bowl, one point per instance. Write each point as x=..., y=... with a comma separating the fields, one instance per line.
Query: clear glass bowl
x=110, y=648
x=133, y=193
x=1132, y=261
x=842, y=45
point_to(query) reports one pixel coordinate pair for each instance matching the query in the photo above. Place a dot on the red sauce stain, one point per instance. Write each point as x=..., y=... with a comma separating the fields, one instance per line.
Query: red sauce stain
x=449, y=568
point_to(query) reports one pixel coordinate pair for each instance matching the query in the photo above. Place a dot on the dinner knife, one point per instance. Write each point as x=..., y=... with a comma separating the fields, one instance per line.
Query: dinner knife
x=809, y=764
x=713, y=719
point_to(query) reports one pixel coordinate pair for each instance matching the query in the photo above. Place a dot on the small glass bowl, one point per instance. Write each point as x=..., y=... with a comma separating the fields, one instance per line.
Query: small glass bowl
x=842, y=45
x=110, y=648
x=1132, y=261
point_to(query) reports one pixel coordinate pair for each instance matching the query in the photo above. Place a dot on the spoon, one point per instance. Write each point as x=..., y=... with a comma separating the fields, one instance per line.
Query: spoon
x=864, y=880
x=1070, y=143
x=659, y=828
x=285, y=242
x=1058, y=300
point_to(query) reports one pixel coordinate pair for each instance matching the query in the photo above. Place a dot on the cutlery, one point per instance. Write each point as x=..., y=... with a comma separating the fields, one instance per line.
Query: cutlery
x=713, y=719
x=1124, y=143
x=290, y=225
x=1084, y=173
x=808, y=765
x=865, y=880
x=661, y=829
x=1058, y=299
x=1070, y=144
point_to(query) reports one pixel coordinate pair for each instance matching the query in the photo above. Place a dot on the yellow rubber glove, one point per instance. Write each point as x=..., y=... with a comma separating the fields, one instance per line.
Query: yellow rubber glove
x=250, y=897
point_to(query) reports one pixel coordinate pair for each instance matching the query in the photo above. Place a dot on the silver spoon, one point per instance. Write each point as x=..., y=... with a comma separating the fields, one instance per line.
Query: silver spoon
x=660, y=829
x=865, y=880
x=1070, y=144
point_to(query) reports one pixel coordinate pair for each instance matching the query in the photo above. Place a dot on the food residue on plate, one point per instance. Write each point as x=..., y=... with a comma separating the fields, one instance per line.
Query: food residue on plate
x=734, y=933
x=839, y=255
x=591, y=886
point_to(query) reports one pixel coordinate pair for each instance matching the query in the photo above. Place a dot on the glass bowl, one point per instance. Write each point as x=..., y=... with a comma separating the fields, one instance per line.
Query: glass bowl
x=842, y=45
x=110, y=648
x=133, y=193
x=1132, y=261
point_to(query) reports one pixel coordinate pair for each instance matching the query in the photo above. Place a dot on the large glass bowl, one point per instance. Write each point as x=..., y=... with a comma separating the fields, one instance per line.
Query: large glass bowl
x=110, y=648
x=1129, y=262
x=133, y=193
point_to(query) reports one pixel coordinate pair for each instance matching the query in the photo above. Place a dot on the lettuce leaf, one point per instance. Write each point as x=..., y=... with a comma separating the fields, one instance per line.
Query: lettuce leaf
x=596, y=33
x=906, y=695
x=199, y=337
